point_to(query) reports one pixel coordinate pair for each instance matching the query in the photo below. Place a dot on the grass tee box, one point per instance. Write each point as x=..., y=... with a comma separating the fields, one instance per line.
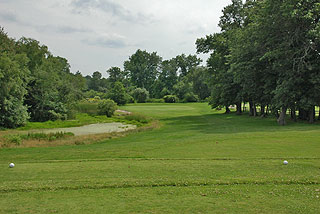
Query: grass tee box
x=198, y=161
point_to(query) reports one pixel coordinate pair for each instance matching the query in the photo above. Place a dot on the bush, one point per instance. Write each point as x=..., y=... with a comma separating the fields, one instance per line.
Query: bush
x=107, y=107
x=170, y=99
x=140, y=95
x=190, y=97
x=14, y=139
x=137, y=117
x=87, y=107
x=153, y=100
x=129, y=98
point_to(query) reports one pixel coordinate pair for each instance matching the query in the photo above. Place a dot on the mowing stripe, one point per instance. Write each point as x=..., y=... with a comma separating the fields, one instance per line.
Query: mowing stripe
x=170, y=184
x=164, y=159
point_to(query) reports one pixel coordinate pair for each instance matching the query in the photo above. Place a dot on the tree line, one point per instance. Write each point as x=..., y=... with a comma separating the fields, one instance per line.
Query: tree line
x=147, y=76
x=37, y=86
x=34, y=84
x=268, y=55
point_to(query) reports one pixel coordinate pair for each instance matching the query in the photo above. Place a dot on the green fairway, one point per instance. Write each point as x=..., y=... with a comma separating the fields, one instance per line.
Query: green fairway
x=198, y=161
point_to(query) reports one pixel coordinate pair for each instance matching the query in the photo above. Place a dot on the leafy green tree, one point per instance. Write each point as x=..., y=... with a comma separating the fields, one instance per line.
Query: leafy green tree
x=169, y=75
x=35, y=52
x=43, y=96
x=118, y=94
x=116, y=75
x=143, y=69
x=7, y=45
x=183, y=88
x=186, y=63
x=95, y=81
x=200, y=82
x=224, y=90
x=13, y=80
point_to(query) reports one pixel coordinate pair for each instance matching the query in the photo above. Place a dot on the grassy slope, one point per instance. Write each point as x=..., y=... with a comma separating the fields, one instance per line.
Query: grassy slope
x=198, y=161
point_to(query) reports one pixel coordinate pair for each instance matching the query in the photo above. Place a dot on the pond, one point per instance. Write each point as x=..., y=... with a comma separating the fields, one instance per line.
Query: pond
x=98, y=128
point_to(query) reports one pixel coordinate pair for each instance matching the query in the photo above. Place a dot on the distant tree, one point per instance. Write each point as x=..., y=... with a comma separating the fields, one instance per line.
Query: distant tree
x=200, y=79
x=6, y=44
x=116, y=75
x=34, y=51
x=118, y=94
x=94, y=82
x=183, y=88
x=169, y=74
x=143, y=69
x=186, y=63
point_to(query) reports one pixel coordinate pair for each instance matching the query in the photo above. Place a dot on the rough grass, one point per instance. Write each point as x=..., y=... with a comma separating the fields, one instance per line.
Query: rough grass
x=196, y=161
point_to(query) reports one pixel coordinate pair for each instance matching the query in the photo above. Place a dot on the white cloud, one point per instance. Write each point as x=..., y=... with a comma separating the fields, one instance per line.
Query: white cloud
x=97, y=34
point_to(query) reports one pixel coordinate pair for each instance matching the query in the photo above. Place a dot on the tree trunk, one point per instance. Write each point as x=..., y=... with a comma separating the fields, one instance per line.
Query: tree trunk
x=263, y=111
x=282, y=117
x=267, y=111
x=251, y=109
x=293, y=114
x=227, y=110
x=303, y=114
x=319, y=114
x=312, y=115
x=239, y=108
x=254, y=110
x=244, y=108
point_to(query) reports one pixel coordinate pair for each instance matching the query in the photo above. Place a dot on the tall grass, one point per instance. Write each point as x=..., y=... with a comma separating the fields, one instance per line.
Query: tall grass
x=17, y=139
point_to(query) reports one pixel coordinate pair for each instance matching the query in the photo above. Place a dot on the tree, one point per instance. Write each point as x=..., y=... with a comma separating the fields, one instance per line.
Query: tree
x=267, y=54
x=224, y=91
x=34, y=51
x=116, y=75
x=118, y=94
x=200, y=82
x=13, y=80
x=186, y=63
x=143, y=69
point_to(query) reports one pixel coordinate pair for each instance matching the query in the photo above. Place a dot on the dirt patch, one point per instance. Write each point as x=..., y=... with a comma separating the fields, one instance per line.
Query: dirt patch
x=123, y=112
x=98, y=128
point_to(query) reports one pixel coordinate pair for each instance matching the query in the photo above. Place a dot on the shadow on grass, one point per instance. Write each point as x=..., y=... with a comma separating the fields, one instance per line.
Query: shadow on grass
x=233, y=123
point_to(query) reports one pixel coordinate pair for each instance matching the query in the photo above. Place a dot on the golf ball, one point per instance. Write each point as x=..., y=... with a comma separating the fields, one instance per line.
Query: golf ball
x=11, y=165
x=285, y=162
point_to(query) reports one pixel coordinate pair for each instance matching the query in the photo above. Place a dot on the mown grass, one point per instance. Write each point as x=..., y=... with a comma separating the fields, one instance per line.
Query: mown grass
x=198, y=161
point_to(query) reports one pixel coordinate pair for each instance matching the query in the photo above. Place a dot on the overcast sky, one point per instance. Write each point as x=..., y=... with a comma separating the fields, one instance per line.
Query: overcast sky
x=95, y=35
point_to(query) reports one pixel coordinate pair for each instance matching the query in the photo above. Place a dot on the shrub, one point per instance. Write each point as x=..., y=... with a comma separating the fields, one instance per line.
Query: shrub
x=129, y=98
x=87, y=107
x=153, y=100
x=190, y=97
x=170, y=99
x=14, y=139
x=164, y=92
x=107, y=107
x=52, y=115
x=18, y=138
x=140, y=95
x=137, y=117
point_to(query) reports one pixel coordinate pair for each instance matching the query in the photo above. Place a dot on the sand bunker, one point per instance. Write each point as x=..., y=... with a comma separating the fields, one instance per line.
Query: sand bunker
x=98, y=128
